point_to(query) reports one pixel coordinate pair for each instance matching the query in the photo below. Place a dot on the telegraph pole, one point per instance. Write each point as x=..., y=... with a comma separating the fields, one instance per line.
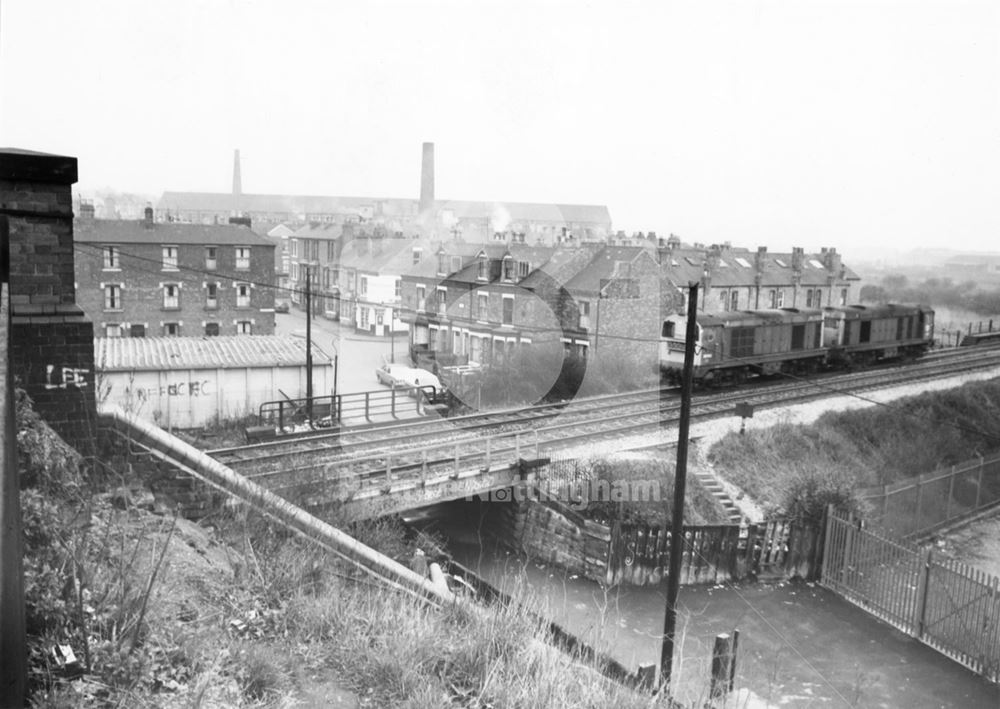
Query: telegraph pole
x=309, y=347
x=680, y=482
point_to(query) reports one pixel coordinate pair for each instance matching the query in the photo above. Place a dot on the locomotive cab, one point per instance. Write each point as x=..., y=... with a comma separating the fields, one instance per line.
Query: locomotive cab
x=673, y=341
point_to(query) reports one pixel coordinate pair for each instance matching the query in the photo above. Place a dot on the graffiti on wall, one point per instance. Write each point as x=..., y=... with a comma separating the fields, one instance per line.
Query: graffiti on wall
x=63, y=377
x=188, y=388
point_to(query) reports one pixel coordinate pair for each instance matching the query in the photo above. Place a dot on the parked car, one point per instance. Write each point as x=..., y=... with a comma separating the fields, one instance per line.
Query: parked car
x=400, y=375
x=281, y=307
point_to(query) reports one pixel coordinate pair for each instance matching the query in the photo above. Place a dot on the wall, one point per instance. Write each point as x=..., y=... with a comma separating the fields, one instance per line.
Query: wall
x=189, y=398
x=52, y=353
x=142, y=277
x=550, y=532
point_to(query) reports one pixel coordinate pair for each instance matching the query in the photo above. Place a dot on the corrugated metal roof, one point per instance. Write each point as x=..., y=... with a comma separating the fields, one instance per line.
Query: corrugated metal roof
x=116, y=354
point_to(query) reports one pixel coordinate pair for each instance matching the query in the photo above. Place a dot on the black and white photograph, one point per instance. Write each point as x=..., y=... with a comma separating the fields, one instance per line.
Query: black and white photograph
x=500, y=354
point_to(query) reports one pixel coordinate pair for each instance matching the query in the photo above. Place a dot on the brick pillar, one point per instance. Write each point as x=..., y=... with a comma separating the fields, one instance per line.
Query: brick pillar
x=52, y=352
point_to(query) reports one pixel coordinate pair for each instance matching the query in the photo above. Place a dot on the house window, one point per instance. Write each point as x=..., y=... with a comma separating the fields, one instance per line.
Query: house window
x=456, y=263
x=584, y=314
x=442, y=264
x=244, y=327
x=843, y=296
x=212, y=329
x=416, y=255
x=169, y=258
x=734, y=300
x=137, y=331
x=484, y=269
x=780, y=301
x=508, y=268
x=294, y=247
x=212, y=295
x=171, y=329
x=364, y=285
x=112, y=330
x=242, y=295
x=397, y=288
x=523, y=268
x=442, y=299
x=724, y=299
x=773, y=298
x=243, y=258
x=364, y=316
x=171, y=296
x=111, y=262
x=331, y=251
x=211, y=261
x=508, y=310
x=421, y=297
x=483, y=300
x=112, y=297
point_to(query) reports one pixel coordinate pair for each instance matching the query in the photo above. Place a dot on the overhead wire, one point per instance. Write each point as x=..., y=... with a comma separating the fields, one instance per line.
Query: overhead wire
x=244, y=278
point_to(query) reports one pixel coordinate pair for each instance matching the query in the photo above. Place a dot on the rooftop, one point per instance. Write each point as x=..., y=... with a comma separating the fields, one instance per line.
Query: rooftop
x=117, y=354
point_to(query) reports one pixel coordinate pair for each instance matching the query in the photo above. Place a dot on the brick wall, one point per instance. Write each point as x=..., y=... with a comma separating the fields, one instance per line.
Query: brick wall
x=142, y=280
x=52, y=349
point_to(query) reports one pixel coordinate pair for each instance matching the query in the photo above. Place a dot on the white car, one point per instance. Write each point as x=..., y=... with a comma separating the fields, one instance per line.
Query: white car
x=408, y=377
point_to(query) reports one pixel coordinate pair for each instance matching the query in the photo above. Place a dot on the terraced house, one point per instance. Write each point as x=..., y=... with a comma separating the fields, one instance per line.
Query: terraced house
x=481, y=303
x=734, y=279
x=140, y=278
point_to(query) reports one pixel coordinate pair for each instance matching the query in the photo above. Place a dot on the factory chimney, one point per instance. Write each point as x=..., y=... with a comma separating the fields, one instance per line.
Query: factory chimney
x=237, y=183
x=427, y=179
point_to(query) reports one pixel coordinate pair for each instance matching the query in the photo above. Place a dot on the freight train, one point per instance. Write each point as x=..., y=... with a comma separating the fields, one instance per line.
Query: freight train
x=733, y=346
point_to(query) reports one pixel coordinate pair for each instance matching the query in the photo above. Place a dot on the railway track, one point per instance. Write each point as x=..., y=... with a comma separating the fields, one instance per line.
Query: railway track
x=385, y=455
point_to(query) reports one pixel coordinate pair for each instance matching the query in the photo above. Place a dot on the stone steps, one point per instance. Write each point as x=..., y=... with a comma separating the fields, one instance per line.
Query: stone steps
x=716, y=489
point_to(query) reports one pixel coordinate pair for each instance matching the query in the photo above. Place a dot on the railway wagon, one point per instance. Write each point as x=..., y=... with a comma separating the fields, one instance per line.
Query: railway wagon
x=732, y=346
x=863, y=334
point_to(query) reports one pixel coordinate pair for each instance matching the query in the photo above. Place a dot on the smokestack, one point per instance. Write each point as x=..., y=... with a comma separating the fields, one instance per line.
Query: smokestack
x=237, y=183
x=427, y=178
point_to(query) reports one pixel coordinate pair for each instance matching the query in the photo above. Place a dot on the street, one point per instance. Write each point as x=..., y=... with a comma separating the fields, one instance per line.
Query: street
x=357, y=355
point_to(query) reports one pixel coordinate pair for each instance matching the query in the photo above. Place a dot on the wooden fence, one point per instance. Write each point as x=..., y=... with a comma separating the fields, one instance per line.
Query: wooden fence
x=640, y=555
x=947, y=605
x=919, y=505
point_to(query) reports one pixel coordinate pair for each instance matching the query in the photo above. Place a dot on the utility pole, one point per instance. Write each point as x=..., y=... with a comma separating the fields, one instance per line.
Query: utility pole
x=680, y=482
x=13, y=642
x=309, y=347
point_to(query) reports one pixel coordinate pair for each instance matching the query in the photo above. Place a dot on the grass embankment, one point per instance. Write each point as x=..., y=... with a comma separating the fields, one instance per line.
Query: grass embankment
x=638, y=491
x=797, y=470
x=162, y=612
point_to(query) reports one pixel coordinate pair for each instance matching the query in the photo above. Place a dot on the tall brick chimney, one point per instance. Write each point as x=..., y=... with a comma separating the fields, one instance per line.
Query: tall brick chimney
x=427, y=178
x=237, y=183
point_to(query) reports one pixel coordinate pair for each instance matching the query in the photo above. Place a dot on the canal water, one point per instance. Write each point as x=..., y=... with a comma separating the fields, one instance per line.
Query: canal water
x=799, y=646
x=624, y=622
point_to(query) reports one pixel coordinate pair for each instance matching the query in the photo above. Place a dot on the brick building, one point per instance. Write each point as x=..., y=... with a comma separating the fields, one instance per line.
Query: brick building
x=737, y=279
x=147, y=279
x=52, y=340
x=369, y=287
x=315, y=249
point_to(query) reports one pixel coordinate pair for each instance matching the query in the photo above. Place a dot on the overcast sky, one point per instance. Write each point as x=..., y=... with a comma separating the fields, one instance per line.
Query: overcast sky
x=837, y=123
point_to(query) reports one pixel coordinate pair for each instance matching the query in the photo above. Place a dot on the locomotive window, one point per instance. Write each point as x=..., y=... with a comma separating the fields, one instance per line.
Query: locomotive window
x=668, y=328
x=866, y=331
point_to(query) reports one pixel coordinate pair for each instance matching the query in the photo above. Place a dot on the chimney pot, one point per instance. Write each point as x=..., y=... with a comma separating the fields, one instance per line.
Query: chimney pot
x=148, y=214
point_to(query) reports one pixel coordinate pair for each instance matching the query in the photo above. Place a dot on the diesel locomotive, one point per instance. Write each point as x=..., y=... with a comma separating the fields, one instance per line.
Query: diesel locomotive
x=733, y=346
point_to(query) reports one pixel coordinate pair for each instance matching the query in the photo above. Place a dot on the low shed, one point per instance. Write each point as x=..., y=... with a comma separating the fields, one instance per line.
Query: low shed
x=187, y=382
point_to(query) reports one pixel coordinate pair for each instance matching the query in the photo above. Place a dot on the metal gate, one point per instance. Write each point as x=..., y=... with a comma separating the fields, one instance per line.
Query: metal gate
x=947, y=605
